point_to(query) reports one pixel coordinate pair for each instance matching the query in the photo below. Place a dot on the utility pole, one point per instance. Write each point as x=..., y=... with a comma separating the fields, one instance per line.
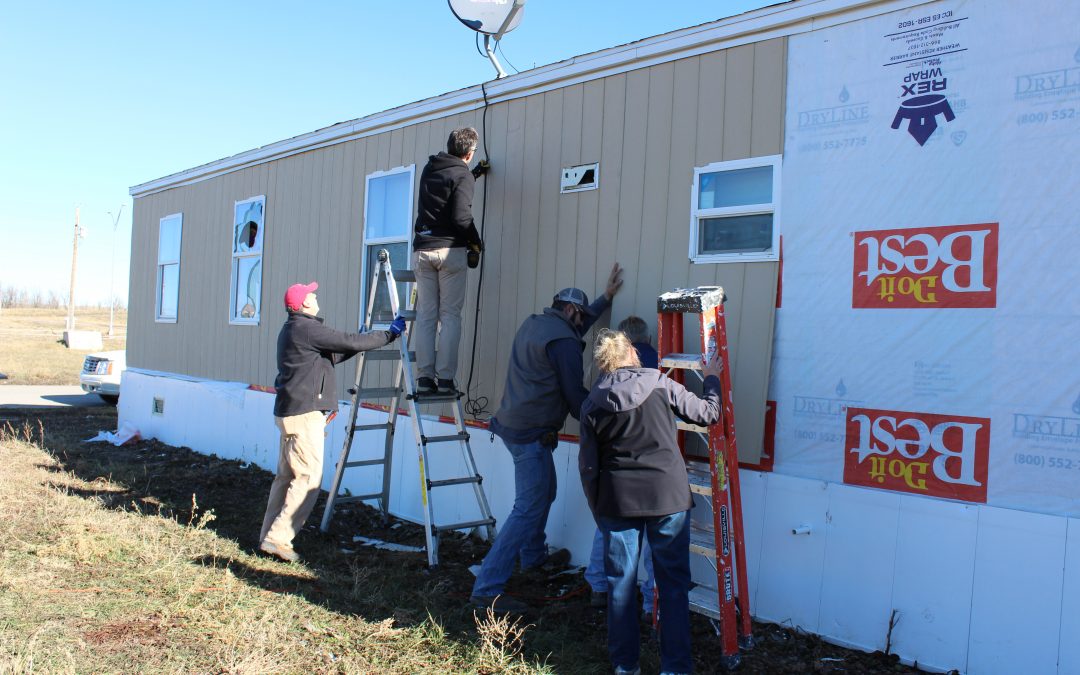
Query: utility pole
x=112, y=269
x=74, y=264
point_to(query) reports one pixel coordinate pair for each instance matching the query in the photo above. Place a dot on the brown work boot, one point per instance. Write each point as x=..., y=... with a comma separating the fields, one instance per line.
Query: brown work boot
x=279, y=551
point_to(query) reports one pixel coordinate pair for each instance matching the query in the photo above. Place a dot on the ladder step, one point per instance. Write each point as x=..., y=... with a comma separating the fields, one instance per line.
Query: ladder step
x=454, y=481
x=428, y=440
x=364, y=462
x=686, y=426
x=356, y=498
x=387, y=355
x=705, y=600
x=462, y=526
x=681, y=361
x=700, y=479
x=378, y=392
x=404, y=275
x=435, y=398
x=702, y=542
x=371, y=427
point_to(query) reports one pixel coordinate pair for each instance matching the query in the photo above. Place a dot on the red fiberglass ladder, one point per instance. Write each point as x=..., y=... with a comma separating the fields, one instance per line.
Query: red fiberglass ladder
x=714, y=477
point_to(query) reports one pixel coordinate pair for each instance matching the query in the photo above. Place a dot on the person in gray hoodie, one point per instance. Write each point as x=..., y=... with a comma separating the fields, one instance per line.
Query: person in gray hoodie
x=634, y=478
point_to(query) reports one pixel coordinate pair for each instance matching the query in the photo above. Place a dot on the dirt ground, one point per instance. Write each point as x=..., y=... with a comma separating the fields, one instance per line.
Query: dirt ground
x=565, y=632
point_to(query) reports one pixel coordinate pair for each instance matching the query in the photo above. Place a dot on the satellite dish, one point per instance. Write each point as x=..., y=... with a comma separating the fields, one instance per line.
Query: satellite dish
x=492, y=19
x=488, y=16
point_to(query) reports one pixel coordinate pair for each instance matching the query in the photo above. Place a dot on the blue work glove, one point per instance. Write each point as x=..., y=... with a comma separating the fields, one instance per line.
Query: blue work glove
x=397, y=326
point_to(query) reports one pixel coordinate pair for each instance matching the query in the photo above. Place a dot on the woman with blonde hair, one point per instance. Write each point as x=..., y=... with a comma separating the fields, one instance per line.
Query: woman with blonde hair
x=635, y=481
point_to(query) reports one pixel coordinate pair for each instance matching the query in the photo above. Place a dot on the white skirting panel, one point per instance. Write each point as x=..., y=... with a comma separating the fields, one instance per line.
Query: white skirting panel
x=752, y=486
x=789, y=589
x=860, y=547
x=1016, y=600
x=974, y=588
x=932, y=580
x=1069, y=658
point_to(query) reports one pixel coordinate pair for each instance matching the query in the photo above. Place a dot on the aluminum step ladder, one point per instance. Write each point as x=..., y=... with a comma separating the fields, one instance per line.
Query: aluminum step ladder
x=715, y=477
x=404, y=388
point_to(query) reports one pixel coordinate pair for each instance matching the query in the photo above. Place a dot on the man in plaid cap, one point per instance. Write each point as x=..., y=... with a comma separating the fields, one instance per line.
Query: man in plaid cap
x=543, y=385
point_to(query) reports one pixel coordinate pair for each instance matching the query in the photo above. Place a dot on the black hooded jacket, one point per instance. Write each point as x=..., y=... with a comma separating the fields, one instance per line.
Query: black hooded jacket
x=630, y=462
x=306, y=353
x=444, y=215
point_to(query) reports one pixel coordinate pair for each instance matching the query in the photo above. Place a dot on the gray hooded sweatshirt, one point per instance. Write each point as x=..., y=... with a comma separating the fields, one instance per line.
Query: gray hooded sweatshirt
x=630, y=462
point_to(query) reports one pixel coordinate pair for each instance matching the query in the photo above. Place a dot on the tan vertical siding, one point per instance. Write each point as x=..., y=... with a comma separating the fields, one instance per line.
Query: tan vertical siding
x=648, y=128
x=629, y=242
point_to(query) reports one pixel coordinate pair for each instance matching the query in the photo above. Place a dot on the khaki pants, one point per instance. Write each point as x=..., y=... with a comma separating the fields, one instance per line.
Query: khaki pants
x=440, y=295
x=299, y=474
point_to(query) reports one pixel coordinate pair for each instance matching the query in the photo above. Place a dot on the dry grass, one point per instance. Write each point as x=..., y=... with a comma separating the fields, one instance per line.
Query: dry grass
x=89, y=588
x=33, y=352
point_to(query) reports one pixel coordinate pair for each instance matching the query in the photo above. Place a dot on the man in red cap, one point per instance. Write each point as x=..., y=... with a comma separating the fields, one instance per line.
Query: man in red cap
x=306, y=392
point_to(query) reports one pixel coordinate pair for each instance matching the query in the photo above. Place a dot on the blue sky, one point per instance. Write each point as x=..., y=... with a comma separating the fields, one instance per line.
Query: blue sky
x=97, y=97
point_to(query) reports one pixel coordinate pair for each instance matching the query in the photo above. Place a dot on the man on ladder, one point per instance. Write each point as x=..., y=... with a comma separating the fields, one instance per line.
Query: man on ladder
x=444, y=230
x=543, y=386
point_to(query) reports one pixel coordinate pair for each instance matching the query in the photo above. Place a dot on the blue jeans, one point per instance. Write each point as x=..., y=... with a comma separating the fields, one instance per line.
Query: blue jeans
x=522, y=535
x=597, y=579
x=669, y=538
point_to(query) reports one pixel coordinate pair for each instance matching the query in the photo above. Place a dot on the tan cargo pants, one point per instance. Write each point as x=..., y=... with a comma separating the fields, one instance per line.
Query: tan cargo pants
x=299, y=475
x=440, y=295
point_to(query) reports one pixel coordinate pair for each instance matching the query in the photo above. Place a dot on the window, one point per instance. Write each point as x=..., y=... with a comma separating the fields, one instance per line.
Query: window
x=388, y=220
x=247, y=246
x=167, y=289
x=735, y=209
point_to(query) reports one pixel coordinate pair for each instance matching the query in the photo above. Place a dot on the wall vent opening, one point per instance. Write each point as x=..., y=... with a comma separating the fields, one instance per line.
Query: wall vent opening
x=580, y=178
x=159, y=406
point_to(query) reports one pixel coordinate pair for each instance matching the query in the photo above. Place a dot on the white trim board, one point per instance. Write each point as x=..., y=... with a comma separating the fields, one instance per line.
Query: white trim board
x=781, y=20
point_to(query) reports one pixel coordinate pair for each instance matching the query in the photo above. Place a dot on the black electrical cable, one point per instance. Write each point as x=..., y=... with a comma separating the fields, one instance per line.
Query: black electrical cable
x=476, y=407
x=498, y=45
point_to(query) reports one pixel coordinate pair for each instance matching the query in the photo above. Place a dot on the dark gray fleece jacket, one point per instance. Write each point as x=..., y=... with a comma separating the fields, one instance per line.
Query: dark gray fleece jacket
x=630, y=462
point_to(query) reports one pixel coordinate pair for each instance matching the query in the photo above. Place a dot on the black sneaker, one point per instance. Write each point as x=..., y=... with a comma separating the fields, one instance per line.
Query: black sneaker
x=447, y=386
x=425, y=385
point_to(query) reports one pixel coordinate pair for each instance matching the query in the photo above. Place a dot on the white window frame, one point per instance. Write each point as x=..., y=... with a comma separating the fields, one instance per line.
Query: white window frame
x=773, y=207
x=365, y=273
x=234, y=265
x=162, y=263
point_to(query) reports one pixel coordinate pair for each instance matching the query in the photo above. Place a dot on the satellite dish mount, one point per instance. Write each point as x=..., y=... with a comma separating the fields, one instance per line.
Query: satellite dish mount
x=492, y=18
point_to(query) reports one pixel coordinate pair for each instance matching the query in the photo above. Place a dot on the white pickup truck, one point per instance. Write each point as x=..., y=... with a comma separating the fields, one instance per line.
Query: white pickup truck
x=101, y=374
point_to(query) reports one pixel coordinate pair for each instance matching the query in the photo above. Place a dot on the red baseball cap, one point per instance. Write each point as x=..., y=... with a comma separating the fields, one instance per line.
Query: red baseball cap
x=297, y=293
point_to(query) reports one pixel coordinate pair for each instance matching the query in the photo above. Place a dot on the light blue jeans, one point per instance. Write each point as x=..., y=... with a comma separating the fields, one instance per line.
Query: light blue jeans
x=669, y=537
x=597, y=580
x=522, y=536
